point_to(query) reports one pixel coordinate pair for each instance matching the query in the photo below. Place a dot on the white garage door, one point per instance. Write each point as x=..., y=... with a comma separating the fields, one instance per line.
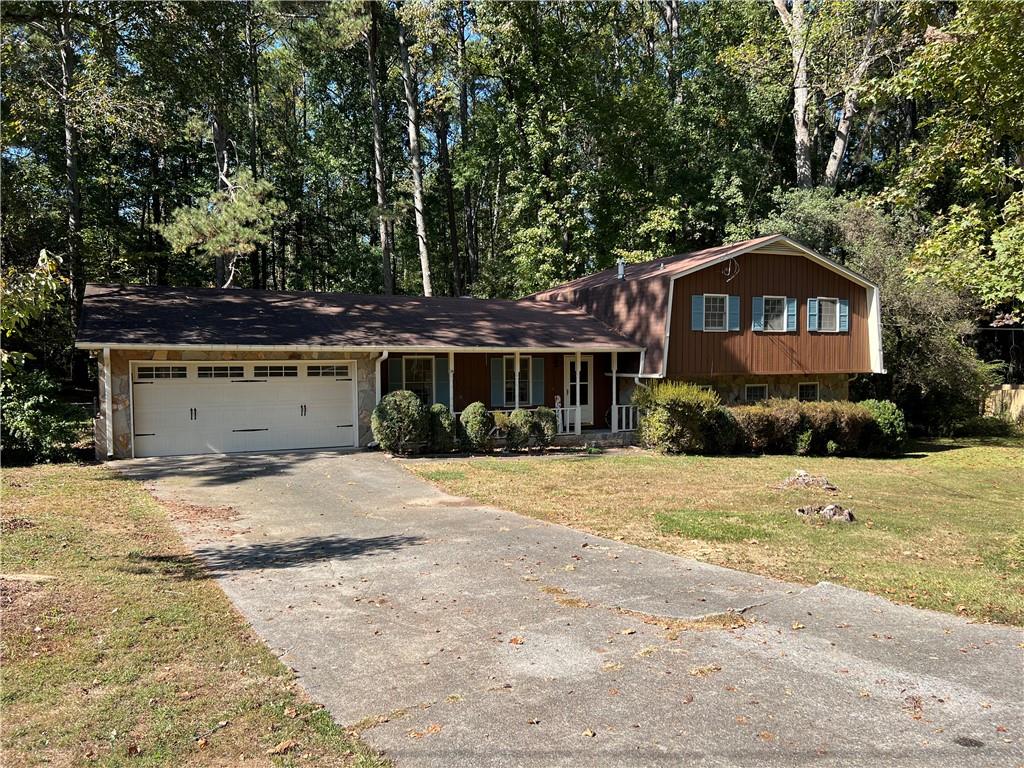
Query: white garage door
x=227, y=407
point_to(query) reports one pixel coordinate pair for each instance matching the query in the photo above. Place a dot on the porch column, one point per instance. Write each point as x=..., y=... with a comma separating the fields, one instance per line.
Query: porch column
x=515, y=356
x=615, y=392
x=108, y=404
x=579, y=407
x=451, y=382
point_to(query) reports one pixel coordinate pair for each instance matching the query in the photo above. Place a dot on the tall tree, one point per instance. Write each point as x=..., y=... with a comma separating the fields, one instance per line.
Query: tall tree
x=411, y=87
x=379, y=167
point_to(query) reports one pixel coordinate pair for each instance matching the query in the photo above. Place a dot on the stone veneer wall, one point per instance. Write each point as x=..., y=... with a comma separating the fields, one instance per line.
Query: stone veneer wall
x=731, y=389
x=366, y=371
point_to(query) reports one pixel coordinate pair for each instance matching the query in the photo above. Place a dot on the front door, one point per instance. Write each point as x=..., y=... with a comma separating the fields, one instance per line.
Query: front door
x=586, y=375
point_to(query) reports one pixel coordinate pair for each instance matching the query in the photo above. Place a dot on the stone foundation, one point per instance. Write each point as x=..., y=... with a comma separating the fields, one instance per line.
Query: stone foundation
x=732, y=389
x=366, y=371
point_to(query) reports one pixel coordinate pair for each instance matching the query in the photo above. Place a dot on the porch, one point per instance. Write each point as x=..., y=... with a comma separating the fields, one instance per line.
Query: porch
x=590, y=391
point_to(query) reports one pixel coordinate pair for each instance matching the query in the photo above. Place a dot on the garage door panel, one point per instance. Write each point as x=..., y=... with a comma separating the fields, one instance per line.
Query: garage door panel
x=227, y=413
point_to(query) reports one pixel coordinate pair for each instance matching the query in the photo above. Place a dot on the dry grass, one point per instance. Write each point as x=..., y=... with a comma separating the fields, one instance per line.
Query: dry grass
x=939, y=528
x=127, y=657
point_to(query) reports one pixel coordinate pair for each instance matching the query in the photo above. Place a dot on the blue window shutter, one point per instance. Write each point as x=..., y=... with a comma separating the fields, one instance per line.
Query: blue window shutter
x=758, y=321
x=394, y=374
x=791, y=314
x=536, y=379
x=734, y=313
x=844, y=315
x=812, y=314
x=441, y=393
x=697, y=313
x=497, y=382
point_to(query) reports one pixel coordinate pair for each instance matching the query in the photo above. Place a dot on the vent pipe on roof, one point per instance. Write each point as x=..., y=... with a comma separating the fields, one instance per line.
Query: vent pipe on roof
x=622, y=269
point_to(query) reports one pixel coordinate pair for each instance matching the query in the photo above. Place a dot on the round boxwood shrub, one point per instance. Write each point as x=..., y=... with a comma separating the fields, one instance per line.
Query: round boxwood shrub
x=442, y=429
x=400, y=423
x=755, y=427
x=887, y=433
x=545, y=426
x=722, y=434
x=518, y=429
x=477, y=425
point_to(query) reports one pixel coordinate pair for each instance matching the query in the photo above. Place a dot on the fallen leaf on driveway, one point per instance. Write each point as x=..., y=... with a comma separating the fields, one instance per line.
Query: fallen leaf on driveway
x=710, y=669
x=766, y=736
x=589, y=733
x=629, y=631
x=283, y=747
x=516, y=641
x=797, y=625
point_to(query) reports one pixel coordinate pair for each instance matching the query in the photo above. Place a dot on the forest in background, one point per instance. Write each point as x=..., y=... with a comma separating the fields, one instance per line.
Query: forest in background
x=471, y=147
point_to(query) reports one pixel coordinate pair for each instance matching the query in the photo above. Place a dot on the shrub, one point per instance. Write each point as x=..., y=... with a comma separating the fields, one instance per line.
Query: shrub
x=754, y=424
x=675, y=417
x=787, y=419
x=477, y=425
x=803, y=442
x=985, y=426
x=400, y=423
x=518, y=429
x=545, y=426
x=442, y=429
x=887, y=433
x=722, y=434
x=36, y=426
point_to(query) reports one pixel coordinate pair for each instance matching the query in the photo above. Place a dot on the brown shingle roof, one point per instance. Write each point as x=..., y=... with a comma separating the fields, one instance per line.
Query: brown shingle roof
x=161, y=316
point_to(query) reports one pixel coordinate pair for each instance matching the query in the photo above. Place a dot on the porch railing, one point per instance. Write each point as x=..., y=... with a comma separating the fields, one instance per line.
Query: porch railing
x=627, y=417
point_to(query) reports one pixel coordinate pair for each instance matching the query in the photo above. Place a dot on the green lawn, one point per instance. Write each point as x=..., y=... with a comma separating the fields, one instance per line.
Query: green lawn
x=127, y=656
x=942, y=527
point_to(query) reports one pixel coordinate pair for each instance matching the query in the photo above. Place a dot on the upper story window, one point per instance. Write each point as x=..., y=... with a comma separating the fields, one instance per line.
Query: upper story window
x=716, y=312
x=828, y=315
x=525, y=363
x=775, y=313
x=418, y=377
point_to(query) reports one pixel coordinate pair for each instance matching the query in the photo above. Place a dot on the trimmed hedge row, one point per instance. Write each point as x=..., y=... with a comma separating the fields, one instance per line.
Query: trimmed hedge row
x=403, y=425
x=681, y=418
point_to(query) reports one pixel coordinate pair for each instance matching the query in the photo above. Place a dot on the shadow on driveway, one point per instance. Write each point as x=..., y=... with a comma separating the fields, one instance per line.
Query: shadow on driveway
x=215, y=561
x=224, y=469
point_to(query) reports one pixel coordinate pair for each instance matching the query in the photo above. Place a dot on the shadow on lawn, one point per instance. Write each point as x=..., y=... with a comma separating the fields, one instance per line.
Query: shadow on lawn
x=215, y=561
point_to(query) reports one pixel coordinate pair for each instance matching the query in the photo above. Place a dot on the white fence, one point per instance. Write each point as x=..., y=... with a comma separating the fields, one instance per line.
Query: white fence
x=626, y=418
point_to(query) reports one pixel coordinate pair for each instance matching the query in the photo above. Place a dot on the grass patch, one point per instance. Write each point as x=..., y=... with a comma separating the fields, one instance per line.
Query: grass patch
x=938, y=528
x=112, y=663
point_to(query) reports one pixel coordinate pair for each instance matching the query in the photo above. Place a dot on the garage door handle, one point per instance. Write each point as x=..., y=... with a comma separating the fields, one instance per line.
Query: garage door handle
x=302, y=410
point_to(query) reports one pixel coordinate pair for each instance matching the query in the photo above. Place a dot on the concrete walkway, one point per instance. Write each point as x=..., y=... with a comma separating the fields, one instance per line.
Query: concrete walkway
x=460, y=635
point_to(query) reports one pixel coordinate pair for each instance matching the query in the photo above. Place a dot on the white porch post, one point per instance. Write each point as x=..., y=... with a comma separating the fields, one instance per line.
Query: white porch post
x=516, y=358
x=451, y=382
x=615, y=392
x=108, y=403
x=579, y=406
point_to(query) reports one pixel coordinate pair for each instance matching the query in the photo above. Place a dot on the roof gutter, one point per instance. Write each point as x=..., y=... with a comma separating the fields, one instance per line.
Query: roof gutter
x=349, y=348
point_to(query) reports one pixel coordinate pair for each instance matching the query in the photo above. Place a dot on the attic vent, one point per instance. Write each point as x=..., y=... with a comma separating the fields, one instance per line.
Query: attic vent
x=622, y=269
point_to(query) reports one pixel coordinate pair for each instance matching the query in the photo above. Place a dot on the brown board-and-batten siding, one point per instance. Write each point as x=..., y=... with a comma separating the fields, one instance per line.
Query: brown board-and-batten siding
x=697, y=353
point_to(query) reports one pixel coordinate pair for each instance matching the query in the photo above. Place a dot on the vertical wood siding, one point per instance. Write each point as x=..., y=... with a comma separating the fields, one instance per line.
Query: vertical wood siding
x=693, y=353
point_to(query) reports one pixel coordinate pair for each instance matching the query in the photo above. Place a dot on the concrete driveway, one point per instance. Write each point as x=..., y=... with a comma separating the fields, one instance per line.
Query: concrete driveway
x=459, y=635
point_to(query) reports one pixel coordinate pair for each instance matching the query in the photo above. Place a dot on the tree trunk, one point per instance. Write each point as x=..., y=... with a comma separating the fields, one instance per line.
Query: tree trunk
x=850, y=97
x=156, y=168
x=445, y=172
x=415, y=161
x=220, y=150
x=795, y=23
x=74, y=190
x=372, y=41
x=472, y=245
x=257, y=259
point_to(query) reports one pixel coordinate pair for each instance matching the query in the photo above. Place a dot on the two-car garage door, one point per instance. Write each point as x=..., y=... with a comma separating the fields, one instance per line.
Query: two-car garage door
x=226, y=407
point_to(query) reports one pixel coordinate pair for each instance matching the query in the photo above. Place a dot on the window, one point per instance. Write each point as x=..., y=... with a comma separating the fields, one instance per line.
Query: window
x=807, y=391
x=274, y=371
x=220, y=372
x=161, y=372
x=828, y=315
x=775, y=313
x=524, y=380
x=418, y=373
x=340, y=371
x=756, y=392
x=715, y=312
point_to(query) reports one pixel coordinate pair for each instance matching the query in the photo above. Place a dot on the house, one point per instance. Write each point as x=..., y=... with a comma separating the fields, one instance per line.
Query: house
x=199, y=370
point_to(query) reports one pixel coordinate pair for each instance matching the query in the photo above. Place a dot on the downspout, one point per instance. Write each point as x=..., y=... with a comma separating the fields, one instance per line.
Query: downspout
x=380, y=360
x=108, y=404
